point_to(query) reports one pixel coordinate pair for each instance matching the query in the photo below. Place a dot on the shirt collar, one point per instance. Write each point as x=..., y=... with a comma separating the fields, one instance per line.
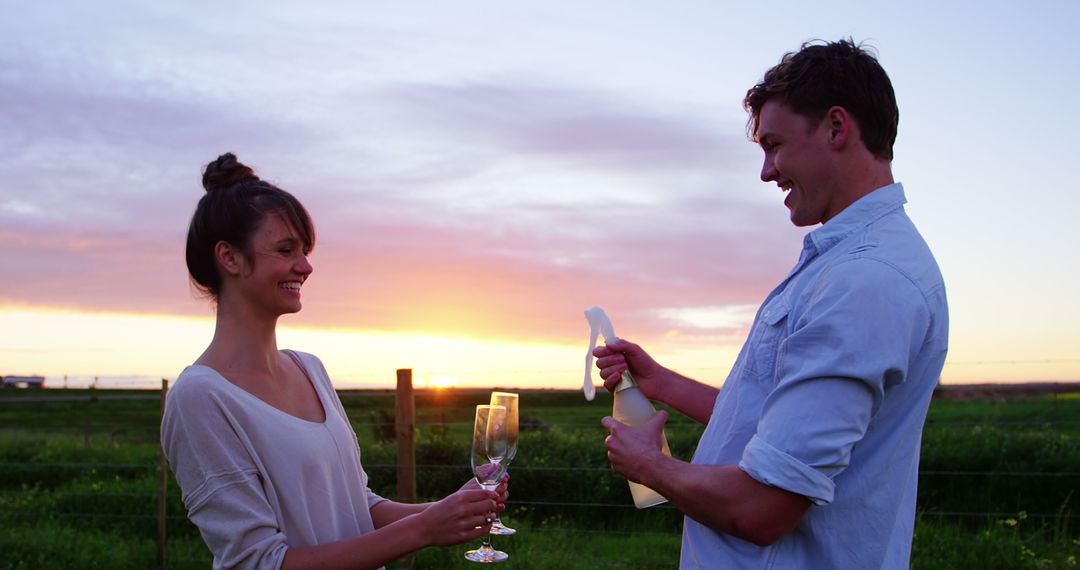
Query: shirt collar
x=859, y=214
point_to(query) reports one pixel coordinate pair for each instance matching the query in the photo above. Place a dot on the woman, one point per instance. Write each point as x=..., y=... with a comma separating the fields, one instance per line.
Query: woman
x=258, y=440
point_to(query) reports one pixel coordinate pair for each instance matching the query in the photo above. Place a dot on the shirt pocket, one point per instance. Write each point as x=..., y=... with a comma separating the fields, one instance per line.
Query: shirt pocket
x=771, y=327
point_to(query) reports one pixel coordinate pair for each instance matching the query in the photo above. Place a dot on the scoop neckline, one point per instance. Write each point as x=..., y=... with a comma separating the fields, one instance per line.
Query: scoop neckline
x=303, y=368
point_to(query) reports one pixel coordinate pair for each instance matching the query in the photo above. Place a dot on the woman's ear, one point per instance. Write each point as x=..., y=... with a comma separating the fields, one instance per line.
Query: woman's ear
x=229, y=258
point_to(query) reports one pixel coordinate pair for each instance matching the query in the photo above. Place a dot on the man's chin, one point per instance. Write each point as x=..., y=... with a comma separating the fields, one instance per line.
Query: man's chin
x=800, y=222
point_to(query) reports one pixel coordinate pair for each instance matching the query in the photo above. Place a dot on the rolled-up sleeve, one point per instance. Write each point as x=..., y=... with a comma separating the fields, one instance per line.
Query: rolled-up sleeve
x=773, y=467
x=848, y=344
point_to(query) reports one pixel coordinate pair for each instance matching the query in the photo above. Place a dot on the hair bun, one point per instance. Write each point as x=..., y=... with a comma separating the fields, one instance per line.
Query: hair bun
x=225, y=172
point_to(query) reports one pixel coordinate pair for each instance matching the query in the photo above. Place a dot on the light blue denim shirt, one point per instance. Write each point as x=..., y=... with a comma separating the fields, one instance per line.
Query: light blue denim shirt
x=828, y=396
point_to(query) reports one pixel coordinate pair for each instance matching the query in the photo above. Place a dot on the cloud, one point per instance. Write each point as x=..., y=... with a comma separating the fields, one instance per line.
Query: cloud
x=498, y=208
x=709, y=319
x=95, y=272
x=86, y=149
x=583, y=127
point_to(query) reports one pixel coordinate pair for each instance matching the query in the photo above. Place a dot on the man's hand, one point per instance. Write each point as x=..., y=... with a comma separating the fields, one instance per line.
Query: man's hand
x=634, y=451
x=655, y=381
x=619, y=356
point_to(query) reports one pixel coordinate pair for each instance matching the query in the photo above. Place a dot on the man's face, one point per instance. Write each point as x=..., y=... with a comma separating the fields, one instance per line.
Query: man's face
x=799, y=160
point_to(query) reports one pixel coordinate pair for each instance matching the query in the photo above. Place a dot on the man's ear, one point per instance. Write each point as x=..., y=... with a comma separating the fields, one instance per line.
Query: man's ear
x=842, y=127
x=229, y=258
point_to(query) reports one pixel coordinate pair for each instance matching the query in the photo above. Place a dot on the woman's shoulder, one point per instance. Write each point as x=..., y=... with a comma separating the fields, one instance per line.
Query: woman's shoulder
x=312, y=365
x=192, y=405
x=196, y=385
x=195, y=377
x=306, y=357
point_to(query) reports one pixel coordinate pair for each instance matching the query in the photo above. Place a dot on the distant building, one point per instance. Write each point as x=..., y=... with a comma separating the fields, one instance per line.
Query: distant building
x=22, y=381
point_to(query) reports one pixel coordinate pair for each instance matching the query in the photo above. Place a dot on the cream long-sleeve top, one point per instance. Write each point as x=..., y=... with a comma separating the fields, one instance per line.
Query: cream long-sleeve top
x=257, y=481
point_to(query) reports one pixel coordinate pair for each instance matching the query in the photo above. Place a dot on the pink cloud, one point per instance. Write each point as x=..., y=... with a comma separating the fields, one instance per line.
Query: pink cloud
x=103, y=178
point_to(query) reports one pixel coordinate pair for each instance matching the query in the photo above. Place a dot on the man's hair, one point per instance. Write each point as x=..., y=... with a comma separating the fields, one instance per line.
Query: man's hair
x=825, y=74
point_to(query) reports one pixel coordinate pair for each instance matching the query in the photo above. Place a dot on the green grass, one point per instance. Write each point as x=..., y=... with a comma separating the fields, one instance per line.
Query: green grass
x=998, y=544
x=78, y=483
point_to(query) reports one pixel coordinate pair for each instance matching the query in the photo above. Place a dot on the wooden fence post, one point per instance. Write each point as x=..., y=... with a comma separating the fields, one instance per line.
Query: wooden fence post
x=163, y=484
x=405, y=430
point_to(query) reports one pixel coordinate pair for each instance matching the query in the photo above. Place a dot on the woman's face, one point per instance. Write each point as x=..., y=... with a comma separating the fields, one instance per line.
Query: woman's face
x=277, y=268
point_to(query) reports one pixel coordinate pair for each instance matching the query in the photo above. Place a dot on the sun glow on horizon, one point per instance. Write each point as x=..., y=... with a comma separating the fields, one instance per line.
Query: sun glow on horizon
x=127, y=347
x=443, y=382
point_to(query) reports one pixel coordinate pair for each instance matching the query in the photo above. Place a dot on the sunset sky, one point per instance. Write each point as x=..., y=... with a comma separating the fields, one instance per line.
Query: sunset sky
x=480, y=173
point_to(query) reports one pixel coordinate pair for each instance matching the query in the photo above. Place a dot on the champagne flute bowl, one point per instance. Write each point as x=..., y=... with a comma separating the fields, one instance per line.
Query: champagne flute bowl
x=509, y=401
x=489, y=449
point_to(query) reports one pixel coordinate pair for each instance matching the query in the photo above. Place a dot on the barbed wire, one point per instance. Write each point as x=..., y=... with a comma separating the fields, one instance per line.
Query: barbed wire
x=516, y=468
x=81, y=515
x=953, y=514
x=69, y=465
x=524, y=427
x=998, y=515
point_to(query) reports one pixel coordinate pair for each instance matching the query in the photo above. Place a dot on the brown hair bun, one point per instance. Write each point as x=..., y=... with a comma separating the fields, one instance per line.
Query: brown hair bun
x=226, y=172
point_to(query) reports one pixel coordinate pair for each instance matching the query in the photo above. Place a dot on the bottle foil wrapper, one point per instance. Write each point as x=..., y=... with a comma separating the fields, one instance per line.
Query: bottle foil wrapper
x=599, y=325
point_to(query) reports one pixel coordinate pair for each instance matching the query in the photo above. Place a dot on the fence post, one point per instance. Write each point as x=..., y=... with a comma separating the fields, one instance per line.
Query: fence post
x=405, y=430
x=163, y=483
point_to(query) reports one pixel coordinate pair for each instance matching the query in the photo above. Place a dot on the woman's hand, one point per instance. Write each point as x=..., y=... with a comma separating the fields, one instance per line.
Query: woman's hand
x=503, y=490
x=462, y=516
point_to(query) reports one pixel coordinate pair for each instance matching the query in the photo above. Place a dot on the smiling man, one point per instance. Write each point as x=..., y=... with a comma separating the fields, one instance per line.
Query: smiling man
x=811, y=451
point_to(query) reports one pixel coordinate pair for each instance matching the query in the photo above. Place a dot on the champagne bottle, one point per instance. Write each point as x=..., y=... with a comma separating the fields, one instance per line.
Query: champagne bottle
x=632, y=408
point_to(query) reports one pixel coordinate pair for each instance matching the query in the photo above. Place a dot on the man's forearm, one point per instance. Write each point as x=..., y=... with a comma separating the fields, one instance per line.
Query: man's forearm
x=688, y=396
x=726, y=499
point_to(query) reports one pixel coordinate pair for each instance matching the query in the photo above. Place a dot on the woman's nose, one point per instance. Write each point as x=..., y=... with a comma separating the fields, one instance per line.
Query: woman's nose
x=304, y=267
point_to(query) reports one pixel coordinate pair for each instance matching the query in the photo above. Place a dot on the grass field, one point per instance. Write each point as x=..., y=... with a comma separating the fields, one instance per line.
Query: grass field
x=78, y=483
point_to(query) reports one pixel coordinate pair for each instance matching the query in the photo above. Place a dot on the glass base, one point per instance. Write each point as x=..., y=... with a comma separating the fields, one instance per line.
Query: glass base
x=486, y=555
x=499, y=529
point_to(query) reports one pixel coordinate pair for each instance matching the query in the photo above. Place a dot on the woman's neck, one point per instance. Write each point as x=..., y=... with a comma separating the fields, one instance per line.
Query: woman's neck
x=243, y=342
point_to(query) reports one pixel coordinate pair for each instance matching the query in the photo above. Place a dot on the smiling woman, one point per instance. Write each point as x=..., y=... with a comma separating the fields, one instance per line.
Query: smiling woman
x=266, y=459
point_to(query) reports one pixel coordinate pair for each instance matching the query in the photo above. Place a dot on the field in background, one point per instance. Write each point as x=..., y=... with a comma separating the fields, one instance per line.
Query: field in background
x=78, y=482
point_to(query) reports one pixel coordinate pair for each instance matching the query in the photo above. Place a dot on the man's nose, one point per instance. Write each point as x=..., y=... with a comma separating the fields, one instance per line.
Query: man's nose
x=768, y=170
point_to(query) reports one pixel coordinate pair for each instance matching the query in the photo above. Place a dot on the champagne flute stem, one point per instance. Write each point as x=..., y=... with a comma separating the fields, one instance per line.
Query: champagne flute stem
x=487, y=536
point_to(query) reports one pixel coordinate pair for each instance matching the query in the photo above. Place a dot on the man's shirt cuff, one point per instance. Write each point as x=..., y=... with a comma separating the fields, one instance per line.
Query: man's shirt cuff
x=773, y=467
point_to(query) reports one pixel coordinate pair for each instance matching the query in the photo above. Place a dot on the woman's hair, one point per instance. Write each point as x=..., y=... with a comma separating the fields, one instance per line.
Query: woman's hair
x=235, y=203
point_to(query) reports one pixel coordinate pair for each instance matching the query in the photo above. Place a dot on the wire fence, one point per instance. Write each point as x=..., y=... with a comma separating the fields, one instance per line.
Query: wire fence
x=102, y=506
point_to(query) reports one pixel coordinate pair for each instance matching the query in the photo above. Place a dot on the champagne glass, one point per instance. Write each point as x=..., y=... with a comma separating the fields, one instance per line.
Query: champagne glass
x=509, y=401
x=489, y=447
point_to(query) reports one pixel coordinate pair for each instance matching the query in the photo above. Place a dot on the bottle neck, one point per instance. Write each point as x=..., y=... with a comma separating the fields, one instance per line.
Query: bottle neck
x=627, y=381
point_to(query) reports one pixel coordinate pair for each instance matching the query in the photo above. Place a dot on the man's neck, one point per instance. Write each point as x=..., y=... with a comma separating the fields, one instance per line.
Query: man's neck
x=860, y=179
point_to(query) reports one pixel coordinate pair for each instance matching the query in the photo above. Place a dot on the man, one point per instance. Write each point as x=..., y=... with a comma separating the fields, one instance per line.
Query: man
x=810, y=455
